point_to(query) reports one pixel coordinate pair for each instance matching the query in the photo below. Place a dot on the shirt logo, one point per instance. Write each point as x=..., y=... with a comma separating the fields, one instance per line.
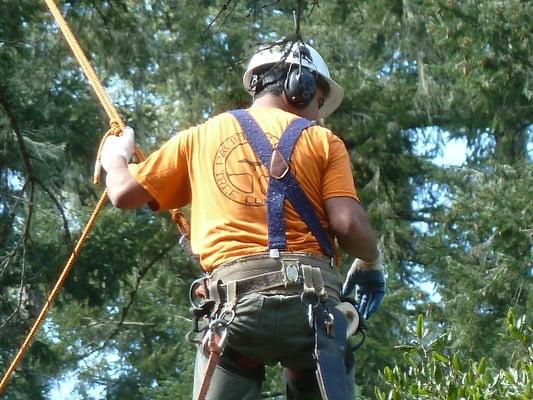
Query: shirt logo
x=239, y=174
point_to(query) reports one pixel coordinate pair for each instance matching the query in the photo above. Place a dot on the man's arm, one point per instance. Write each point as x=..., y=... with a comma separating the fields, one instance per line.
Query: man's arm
x=123, y=190
x=350, y=225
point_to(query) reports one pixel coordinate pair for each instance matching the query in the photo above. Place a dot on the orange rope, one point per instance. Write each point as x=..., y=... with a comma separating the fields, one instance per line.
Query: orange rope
x=42, y=315
x=111, y=111
x=117, y=125
x=208, y=374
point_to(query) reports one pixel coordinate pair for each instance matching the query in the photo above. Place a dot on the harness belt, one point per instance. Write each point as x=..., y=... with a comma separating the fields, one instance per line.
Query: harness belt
x=289, y=274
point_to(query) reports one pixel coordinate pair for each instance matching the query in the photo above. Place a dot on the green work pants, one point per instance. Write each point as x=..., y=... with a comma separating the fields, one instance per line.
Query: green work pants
x=268, y=329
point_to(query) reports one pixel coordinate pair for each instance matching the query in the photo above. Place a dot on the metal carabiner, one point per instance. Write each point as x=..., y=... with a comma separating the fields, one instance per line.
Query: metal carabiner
x=194, y=285
x=329, y=322
x=227, y=315
x=311, y=300
x=218, y=335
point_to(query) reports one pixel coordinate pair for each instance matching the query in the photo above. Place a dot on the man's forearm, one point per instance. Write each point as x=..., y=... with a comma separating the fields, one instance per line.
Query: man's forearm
x=360, y=245
x=123, y=190
x=351, y=227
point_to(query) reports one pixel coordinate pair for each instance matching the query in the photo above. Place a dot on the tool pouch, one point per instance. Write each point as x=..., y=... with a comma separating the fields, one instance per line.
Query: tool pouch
x=330, y=351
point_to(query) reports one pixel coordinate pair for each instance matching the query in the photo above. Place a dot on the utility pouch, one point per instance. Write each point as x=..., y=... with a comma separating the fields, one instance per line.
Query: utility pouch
x=330, y=351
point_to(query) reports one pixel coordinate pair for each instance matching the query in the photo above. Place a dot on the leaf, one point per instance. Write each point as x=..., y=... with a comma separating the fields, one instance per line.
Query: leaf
x=456, y=362
x=420, y=326
x=440, y=357
x=389, y=375
x=482, y=366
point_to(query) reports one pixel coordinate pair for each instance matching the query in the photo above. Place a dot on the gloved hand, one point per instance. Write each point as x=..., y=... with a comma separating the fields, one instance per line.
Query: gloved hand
x=370, y=282
x=117, y=146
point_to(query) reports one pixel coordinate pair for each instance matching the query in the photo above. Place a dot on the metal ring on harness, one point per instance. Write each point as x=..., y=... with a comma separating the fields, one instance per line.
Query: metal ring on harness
x=310, y=298
x=224, y=316
x=217, y=326
x=194, y=285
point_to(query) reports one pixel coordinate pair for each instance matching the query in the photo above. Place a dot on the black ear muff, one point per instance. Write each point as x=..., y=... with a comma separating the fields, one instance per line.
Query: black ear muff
x=300, y=86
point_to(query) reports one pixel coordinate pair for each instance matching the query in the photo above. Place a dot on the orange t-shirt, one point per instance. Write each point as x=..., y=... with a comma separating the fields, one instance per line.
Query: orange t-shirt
x=212, y=167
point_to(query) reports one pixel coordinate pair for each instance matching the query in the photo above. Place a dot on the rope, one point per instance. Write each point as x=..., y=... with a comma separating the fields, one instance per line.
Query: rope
x=104, y=99
x=53, y=294
x=208, y=374
x=116, y=127
x=215, y=344
x=85, y=64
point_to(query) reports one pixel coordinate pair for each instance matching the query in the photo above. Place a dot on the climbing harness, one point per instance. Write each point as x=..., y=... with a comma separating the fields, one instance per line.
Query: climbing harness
x=291, y=275
x=287, y=275
x=306, y=275
x=116, y=127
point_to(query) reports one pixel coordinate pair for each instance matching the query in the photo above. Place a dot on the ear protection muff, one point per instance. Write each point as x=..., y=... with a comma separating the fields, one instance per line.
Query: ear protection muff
x=300, y=84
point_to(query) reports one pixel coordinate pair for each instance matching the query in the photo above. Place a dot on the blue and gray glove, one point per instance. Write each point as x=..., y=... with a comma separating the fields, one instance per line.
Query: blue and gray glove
x=370, y=282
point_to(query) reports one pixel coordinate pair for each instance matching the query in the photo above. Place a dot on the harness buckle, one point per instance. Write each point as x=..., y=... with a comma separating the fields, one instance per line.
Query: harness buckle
x=291, y=271
x=279, y=167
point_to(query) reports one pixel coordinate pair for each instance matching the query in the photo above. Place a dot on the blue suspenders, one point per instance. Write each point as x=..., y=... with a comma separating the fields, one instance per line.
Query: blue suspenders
x=283, y=186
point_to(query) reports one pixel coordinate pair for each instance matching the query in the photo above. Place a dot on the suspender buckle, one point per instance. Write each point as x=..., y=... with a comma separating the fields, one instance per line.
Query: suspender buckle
x=279, y=167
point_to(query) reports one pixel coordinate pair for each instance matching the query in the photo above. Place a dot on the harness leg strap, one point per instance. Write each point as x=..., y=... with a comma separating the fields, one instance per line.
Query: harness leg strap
x=330, y=351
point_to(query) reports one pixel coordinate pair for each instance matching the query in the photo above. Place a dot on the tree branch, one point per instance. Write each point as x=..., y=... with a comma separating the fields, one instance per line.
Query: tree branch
x=59, y=209
x=93, y=323
x=220, y=12
x=8, y=258
x=5, y=101
x=22, y=241
x=125, y=310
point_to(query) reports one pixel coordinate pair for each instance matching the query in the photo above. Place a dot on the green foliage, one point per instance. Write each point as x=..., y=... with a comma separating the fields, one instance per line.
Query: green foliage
x=479, y=254
x=411, y=71
x=432, y=371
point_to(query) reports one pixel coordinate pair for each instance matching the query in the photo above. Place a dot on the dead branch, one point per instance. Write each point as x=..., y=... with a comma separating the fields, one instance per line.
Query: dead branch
x=226, y=17
x=60, y=209
x=220, y=12
x=22, y=241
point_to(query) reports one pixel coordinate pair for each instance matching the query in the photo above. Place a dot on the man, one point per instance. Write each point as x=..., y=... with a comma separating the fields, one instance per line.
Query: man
x=270, y=263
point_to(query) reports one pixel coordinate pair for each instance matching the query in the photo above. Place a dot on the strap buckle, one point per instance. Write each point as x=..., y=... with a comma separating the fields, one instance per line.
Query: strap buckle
x=279, y=167
x=291, y=271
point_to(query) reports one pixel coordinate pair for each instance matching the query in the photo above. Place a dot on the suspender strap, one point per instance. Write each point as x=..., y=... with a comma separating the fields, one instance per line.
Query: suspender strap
x=278, y=190
x=285, y=185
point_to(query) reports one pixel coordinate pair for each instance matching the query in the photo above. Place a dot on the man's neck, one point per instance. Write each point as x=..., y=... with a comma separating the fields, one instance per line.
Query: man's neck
x=268, y=100
x=273, y=101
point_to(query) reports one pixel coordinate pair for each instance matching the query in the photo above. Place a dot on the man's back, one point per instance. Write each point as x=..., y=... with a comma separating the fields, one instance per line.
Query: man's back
x=213, y=167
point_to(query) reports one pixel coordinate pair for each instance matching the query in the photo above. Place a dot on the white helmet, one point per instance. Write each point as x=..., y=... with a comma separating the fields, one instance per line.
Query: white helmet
x=289, y=55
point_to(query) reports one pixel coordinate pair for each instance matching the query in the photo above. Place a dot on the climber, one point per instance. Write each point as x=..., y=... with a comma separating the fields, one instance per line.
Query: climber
x=269, y=189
